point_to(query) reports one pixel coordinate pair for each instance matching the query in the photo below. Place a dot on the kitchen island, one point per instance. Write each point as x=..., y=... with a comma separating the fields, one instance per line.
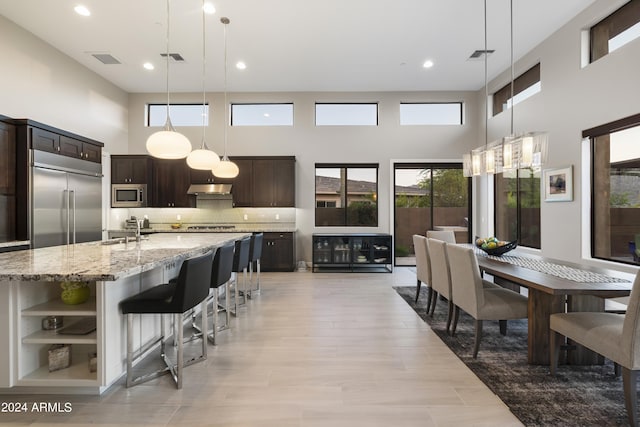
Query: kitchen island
x=30, y=292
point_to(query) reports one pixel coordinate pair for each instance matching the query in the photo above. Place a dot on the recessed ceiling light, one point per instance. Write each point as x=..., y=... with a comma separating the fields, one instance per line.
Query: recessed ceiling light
x=267, y=115
x=82, y=10
x=241, y=65
x=428, y=63
x=209, y=8
x=148, y=66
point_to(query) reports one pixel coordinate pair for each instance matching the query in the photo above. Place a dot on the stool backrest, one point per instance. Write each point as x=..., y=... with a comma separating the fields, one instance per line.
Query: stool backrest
x=193, y=282
x=222, y=265
x=255, y=251
x=241, y=254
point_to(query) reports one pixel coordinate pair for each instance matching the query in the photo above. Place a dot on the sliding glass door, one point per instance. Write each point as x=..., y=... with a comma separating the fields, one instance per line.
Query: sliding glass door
x=429, y=196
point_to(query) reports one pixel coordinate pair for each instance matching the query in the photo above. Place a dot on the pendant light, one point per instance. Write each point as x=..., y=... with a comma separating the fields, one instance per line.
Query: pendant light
x=528, y=150
x=512, y=152
x=226, y=168
x=481, y=159
x=203, y=158
x=167, y=143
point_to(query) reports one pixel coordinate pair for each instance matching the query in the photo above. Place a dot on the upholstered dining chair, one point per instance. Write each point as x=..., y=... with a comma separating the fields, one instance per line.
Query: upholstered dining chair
x=440, y=276
x=615, y=336
x=444, y=235
x=423, y=267
x=480, y=300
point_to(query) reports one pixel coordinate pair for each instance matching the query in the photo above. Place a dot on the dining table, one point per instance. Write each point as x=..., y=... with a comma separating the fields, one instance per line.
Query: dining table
x=554, y=286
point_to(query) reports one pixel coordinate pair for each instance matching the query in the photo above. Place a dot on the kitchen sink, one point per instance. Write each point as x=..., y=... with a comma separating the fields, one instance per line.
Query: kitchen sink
x=121, y=240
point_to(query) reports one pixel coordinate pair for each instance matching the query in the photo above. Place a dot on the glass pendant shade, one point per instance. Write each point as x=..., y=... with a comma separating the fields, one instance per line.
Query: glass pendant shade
x=226, y=169
x=490, y=162
x=203, y=159
x=527, y=151
x=476, y=163
x=533, y=150
x=509, y=153
x=467, y=170
x=168, y=144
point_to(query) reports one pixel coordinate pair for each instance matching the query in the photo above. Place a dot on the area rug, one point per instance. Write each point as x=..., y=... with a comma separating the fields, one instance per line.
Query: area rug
x=577, y=396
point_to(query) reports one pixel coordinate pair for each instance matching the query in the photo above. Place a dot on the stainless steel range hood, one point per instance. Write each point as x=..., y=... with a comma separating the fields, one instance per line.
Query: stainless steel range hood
x=216, y=191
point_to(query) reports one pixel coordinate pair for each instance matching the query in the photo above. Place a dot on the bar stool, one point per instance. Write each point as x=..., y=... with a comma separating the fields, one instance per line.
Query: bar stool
x=220, y=275
x=255, y=252
x=240, y=264
x=190, y=289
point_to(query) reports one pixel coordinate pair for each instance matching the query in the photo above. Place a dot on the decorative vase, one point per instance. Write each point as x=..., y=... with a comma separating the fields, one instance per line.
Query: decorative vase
x=74, y=292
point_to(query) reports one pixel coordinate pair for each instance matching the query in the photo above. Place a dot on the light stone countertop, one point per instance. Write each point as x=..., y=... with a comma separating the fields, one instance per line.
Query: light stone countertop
x=94, y=261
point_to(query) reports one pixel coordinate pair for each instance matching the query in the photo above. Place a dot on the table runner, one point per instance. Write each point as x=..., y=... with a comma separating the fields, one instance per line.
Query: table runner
x=558, y=270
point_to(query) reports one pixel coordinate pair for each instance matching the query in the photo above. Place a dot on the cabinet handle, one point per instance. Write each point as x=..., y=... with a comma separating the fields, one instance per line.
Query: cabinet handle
x=58, y=148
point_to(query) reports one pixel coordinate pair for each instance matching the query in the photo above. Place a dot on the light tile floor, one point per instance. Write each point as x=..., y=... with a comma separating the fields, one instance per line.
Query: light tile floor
x=312, y=350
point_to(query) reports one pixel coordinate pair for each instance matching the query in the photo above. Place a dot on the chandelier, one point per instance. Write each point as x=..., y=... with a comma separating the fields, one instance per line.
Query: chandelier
x=512, y=152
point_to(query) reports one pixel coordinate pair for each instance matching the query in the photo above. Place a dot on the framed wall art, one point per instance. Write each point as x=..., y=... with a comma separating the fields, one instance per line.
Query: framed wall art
x=558, y=184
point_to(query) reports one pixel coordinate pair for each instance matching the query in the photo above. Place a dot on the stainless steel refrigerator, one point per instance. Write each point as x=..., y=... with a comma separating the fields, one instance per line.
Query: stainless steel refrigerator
x=66, y=200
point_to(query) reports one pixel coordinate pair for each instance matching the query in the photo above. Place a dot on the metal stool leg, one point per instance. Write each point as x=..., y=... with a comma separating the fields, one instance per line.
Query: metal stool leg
x=245, y=291
x=258, y=274
x=214, y=334
x=179, y=368
x=236, y=295
x=227, y=308
x=129, y=323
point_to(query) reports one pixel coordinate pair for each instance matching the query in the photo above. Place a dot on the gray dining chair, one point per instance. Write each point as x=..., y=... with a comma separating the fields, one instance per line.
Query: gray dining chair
x=440, y=276
x=614, y=336
x=423, y=266
x=478, y=299
x=444, y=235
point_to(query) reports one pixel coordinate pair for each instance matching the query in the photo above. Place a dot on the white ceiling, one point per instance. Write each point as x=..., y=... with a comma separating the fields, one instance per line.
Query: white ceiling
x=295, y=45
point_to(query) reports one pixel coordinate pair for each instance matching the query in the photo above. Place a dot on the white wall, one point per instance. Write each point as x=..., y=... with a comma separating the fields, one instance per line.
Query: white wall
x=572, y=99
x=311, y=144
x=40, y=83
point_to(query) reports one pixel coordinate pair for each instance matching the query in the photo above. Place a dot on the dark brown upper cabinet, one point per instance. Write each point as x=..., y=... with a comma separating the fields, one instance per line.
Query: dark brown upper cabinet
x=171, y=181
x=274, y=182
x=131, y=169
x=52, y=142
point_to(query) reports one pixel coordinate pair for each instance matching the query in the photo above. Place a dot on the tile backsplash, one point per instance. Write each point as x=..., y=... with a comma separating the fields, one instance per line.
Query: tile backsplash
x=218, y=212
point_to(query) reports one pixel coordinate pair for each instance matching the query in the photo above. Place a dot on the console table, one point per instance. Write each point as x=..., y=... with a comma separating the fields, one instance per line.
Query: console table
x=352, y=252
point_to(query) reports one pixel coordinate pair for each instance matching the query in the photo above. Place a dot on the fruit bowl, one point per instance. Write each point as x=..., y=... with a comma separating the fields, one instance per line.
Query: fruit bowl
x=493, y=246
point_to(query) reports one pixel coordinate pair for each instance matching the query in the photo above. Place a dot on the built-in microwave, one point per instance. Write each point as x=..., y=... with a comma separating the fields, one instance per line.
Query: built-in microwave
x=128, y=195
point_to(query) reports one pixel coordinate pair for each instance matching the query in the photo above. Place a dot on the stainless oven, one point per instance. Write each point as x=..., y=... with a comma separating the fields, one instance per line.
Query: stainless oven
x=128, y=195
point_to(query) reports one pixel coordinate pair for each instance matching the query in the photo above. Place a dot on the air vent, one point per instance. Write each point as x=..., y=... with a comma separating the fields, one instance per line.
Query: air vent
x=105, y=58
x=479, y=55
x=175, y=57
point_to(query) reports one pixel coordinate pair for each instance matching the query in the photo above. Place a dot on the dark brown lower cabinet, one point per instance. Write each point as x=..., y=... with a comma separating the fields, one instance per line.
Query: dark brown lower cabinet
x=278, y=252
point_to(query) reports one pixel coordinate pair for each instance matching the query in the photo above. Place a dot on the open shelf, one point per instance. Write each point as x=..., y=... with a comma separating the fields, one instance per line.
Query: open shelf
x=77, y=375
x=58, y=308
x=51, y=337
